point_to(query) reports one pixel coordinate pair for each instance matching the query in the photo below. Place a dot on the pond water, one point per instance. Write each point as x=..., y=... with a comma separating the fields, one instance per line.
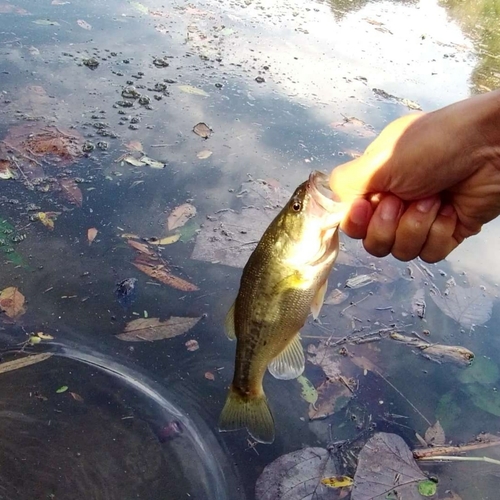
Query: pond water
x=98, y=105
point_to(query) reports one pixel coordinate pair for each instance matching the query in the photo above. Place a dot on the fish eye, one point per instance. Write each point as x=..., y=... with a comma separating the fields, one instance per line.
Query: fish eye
x=297, y=206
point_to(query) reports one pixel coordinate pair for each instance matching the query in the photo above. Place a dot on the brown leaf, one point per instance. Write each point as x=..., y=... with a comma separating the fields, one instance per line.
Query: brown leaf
x=332, y=396
x=327, y=358
x=203, y=155
x=163, y=275
x=91, y=234
x=76, y=397
x=15, y=364
x=71, y=191
x=134, y=146
x=192, y=345
x=203, y=130
x=140, y=247
x=180, y=215
x=209, y=376
x=336, y=297
x=6, y=170
x=151, y=329
x=434, y=435
x=12, y=302
x=48, y=218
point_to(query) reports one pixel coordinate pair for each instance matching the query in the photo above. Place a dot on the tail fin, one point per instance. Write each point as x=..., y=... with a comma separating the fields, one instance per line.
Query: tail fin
x=252, y=413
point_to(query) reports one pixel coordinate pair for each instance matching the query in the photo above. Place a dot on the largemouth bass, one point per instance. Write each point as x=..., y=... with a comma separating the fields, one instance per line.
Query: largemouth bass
x=284, y=279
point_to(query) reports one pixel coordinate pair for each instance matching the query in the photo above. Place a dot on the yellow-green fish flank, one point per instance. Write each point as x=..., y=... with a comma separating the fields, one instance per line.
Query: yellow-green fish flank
x=284, y=279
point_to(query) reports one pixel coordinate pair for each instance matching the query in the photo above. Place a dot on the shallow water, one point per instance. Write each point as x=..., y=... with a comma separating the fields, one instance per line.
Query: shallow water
x=285, y=88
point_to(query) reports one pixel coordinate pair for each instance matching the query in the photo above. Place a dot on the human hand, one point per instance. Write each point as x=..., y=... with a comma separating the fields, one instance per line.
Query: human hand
x=427, y=182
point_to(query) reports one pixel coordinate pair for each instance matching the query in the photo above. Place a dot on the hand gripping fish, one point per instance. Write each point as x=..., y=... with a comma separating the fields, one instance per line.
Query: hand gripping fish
x=284, y=279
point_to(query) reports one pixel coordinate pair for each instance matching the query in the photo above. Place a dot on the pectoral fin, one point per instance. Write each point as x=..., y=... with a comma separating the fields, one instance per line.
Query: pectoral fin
x=288, y=364
x=229, y=324
x=318, y=300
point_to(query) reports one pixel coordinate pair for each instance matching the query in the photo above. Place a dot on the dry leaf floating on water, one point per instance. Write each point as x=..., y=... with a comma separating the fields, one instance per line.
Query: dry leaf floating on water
x=12, y=302
x=180, y=215
x=203, y=155
x=192, y=345
x=203, y=130
x=16, y=364
x=151, y=329
x=71, y=191
x=91, y=234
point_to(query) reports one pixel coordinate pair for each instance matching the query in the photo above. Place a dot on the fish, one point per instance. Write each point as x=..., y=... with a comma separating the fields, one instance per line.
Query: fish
x=284, y=279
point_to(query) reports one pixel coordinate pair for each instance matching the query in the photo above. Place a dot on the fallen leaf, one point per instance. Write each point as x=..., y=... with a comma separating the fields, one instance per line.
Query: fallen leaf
x=297, y=476
x=386, y=466
x=91, y=234
x=361, y=280
x=203, y=155
x=133, y=161
x=62, y=389
x=336, y=297
x=168, y=240
x=180, y=215
x=146, y=160
x=71, y=191
x=5, y=170
x=326, y=357
x=44, y=336
x=48, y=218
x=332, y=397
x=140, y=247
x=484, y=371
x=356, y=126
x=130, y=235
x=192, y=345
x=151, y=329
x=76, y=397
x=337, y=481
x=134, y=146
x=468, y=306
x=203, y=130
x=163, y=275
x=46, y=22
x=12, y=302
x=188, y=89
x=308, y=392
x=209, y=376
x=434, y=435
x=83, y=24
x=139, y=7
x=9, y=366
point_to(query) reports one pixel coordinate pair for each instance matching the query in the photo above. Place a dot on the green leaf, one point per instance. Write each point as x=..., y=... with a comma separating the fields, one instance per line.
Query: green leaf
x=427, y=488
x=309, y=392
x=448, y=410
x=485, y=398
x=482, y=370
x=62, y=389
x=188, y=231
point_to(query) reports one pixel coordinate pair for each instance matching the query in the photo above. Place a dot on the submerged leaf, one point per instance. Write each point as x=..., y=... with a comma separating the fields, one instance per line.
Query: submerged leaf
x=434, y=435
x=468, y=306
x=188, y=89
x=15, y=364
x=83, y=24
x=180, y=215
x=386, y=466
x=309, y=392
x=483, y=370
x=71, y=191
x=163, y=275
x=140, y=247
x=485, y=397
x=12, y=302
x=297, y=476
x=203, y=155
x=151, y=329
x=332, y=397
x=326, y=357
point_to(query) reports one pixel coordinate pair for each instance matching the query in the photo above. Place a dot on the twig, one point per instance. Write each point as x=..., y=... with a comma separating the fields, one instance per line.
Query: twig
x=463, y=459
x=11, y=158
x=426, y=453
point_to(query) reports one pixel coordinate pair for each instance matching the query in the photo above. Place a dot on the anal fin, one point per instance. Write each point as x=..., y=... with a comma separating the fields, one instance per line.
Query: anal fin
x=229, y=324
x=318, y=300
x=289, y=364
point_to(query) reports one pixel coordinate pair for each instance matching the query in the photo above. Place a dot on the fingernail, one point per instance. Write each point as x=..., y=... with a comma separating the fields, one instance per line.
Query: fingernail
x=447, y=210
x=389, y=210
x=426, y=204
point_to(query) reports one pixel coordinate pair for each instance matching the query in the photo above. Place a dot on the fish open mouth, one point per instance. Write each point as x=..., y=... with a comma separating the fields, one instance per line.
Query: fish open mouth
x=319, y=189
